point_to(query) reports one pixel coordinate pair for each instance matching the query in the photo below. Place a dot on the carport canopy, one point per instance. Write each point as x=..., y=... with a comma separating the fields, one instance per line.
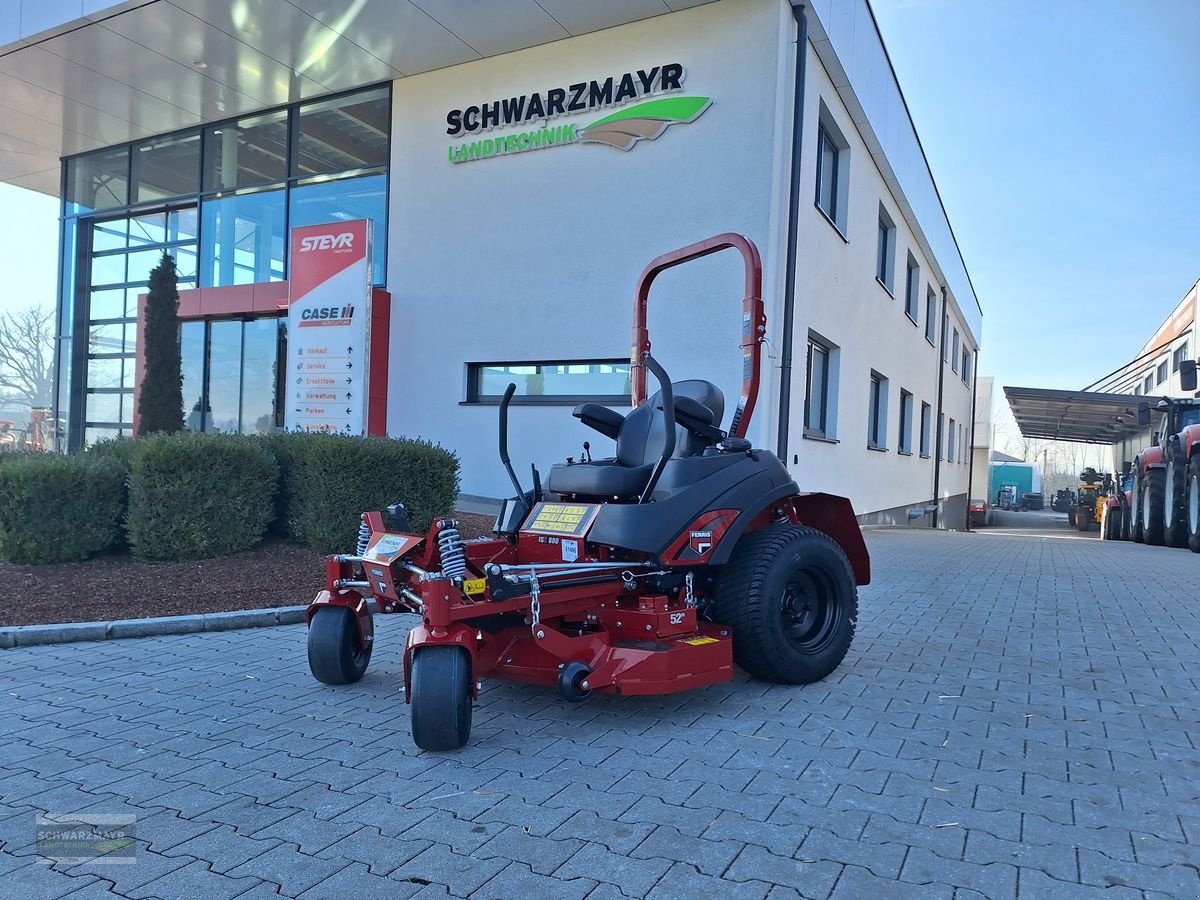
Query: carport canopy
x=1083, y=416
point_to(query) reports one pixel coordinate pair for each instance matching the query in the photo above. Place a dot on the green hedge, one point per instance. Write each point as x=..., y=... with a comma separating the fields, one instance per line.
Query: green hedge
x=120, y=449
x=331, y=480
x=193, y=496
x=57, y=509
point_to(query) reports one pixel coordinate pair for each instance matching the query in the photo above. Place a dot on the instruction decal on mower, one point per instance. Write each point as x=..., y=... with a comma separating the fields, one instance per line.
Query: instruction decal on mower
x=474, y=586
x=567, y=519
x=570, y=550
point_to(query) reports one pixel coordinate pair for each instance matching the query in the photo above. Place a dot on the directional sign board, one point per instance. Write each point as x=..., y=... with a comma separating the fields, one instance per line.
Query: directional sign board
x=329, y=321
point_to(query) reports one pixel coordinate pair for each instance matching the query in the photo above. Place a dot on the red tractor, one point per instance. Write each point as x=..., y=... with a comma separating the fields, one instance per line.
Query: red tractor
x=649, y=572
x=1165, y=499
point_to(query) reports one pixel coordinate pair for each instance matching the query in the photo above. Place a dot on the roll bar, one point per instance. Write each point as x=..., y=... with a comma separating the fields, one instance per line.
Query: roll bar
x=512, y=476
x=668, y=406
x=754, y=320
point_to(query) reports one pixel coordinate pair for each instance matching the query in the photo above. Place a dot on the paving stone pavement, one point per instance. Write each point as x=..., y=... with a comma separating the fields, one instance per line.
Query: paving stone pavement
x=1017, y=718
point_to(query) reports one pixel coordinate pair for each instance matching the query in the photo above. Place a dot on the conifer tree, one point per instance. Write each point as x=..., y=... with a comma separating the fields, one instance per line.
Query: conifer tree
x=160, y=399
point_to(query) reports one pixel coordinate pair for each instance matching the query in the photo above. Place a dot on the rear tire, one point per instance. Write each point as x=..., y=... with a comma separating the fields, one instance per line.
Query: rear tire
x=440, y=685
x=1136, y=528
x=788, y=593
x=1192, y=503
x=1153, y=490
x=334, y=655
x=1083, y=521
x=1071, y=517
x=1175, y=484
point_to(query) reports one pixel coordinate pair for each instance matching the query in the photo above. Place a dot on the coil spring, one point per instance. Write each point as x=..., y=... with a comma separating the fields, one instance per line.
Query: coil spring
x=452, y=551
x=364, y=535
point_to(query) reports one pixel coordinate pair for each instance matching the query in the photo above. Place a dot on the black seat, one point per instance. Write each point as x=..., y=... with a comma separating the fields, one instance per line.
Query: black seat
x=639, y=446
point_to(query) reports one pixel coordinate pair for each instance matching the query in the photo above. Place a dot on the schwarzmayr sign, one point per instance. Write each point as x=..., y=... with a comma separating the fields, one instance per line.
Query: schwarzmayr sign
x=622, y=129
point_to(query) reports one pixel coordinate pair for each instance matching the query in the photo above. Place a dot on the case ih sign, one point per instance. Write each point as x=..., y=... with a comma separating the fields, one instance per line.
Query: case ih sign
x=329, y=315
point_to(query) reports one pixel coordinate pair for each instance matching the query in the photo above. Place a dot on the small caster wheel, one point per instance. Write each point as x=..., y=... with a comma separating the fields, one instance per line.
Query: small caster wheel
x=441, y=697
x=334, y=654
x=572, y=680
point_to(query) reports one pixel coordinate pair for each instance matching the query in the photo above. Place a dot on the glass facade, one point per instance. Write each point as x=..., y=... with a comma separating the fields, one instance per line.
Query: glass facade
x=221, y=200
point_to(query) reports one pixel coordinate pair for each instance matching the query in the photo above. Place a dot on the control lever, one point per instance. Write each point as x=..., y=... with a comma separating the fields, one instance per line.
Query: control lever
x=586, y=456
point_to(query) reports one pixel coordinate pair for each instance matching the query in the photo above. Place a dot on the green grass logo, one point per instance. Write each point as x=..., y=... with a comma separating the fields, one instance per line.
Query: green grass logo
x=622, y=129
x=643, y=121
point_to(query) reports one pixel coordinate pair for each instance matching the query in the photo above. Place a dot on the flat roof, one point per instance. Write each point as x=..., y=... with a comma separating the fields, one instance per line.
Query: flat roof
x=1086, y=417
x=133, y=69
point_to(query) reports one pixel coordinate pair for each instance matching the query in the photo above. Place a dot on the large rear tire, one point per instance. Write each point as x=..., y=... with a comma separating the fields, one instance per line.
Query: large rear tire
x=334, y=654
x=1136, y=527
x=1153, y=490
x=1175, y=532
x=1192, y=503
x=788, y=593
x=440, y=683
x=1083, y=520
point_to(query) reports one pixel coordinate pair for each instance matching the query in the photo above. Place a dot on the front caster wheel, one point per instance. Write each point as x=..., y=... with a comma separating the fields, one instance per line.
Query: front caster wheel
x=440, y=685
x=572, y=682
x=334, y=654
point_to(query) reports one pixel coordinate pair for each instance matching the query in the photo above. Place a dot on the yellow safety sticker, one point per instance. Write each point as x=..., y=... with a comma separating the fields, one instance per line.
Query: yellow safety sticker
x=571, y=519
x=474, y=585
x=702, y=640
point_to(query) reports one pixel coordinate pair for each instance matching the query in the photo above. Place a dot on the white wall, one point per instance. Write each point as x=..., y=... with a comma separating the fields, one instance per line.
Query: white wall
x=839, y=298
x=536, y=255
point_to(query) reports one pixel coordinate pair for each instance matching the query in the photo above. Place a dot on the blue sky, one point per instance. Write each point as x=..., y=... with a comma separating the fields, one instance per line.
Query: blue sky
x=1065, y=140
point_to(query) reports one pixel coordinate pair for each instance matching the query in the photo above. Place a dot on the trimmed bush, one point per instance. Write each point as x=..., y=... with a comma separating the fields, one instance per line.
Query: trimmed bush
x=332, y=480
x=120, y=449
x=56, y=509
x=289, y=449
x=194, y=496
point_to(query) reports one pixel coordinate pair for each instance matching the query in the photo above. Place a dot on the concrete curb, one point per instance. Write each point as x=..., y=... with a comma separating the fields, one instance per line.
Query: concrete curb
x=35, y=635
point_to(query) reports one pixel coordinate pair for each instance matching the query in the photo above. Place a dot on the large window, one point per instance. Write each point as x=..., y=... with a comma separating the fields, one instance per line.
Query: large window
x=1162, y=372
x=568, y=381
x=930, y=315
x=904, y=444
x=833, y=170
x=926, y=422
x=231, y=374
x=954, y=351
x=243, y=238
x=877, y=412
x=885, y=251
x=1178, y=356
x=819, y=391
x=912, y=287
x=221, y=200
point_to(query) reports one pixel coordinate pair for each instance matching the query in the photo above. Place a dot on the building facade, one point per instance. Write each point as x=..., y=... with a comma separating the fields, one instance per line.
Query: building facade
x=1154, y=372
x=519, y=164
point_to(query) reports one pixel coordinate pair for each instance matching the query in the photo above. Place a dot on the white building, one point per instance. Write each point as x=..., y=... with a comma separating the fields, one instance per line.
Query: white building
x=512, y=215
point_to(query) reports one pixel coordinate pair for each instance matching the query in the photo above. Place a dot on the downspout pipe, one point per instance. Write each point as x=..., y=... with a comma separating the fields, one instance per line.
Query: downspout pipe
x=942, y=442
x=793, y=227
x=971, y=458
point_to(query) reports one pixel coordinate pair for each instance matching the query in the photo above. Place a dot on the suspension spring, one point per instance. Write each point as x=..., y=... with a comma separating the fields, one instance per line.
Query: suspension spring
x=452, y=551
x=364, y=534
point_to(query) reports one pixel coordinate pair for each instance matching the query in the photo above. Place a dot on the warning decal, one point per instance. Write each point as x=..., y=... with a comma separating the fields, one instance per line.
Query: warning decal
x=569, y=519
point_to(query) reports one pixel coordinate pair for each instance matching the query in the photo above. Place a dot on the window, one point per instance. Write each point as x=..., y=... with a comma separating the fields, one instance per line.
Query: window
x=98, y=181
x=885, y=252
x=930, y=315
x=1149, y=385
x=246, y=152
x=167, y=167
x=348, y=198
x=833, y=170
x=818, y=406
x=926, y=423
x=877, y=413
x=1180, y=354
x=950, y=447
x=966, y=366
x=941, y=433
x=1162, y=372
x=567, y=381
x=342, y=134
x=912, y=285
x=243, y=239
x=954, y=351
x=904, y=444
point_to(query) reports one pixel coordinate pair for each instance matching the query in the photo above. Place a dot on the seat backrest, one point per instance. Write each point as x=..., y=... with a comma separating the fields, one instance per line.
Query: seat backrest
x=640, y=440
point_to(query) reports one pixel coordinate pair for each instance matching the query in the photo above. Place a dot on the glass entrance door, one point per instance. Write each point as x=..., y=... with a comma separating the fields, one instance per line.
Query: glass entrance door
x=120, y=253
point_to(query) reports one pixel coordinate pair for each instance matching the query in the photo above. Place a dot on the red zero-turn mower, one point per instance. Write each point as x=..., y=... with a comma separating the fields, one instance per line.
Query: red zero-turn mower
x=648, y=573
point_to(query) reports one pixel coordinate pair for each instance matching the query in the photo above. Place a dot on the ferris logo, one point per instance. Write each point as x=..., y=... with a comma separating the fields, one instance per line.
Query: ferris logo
x=700, y=542
x=343, y=241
